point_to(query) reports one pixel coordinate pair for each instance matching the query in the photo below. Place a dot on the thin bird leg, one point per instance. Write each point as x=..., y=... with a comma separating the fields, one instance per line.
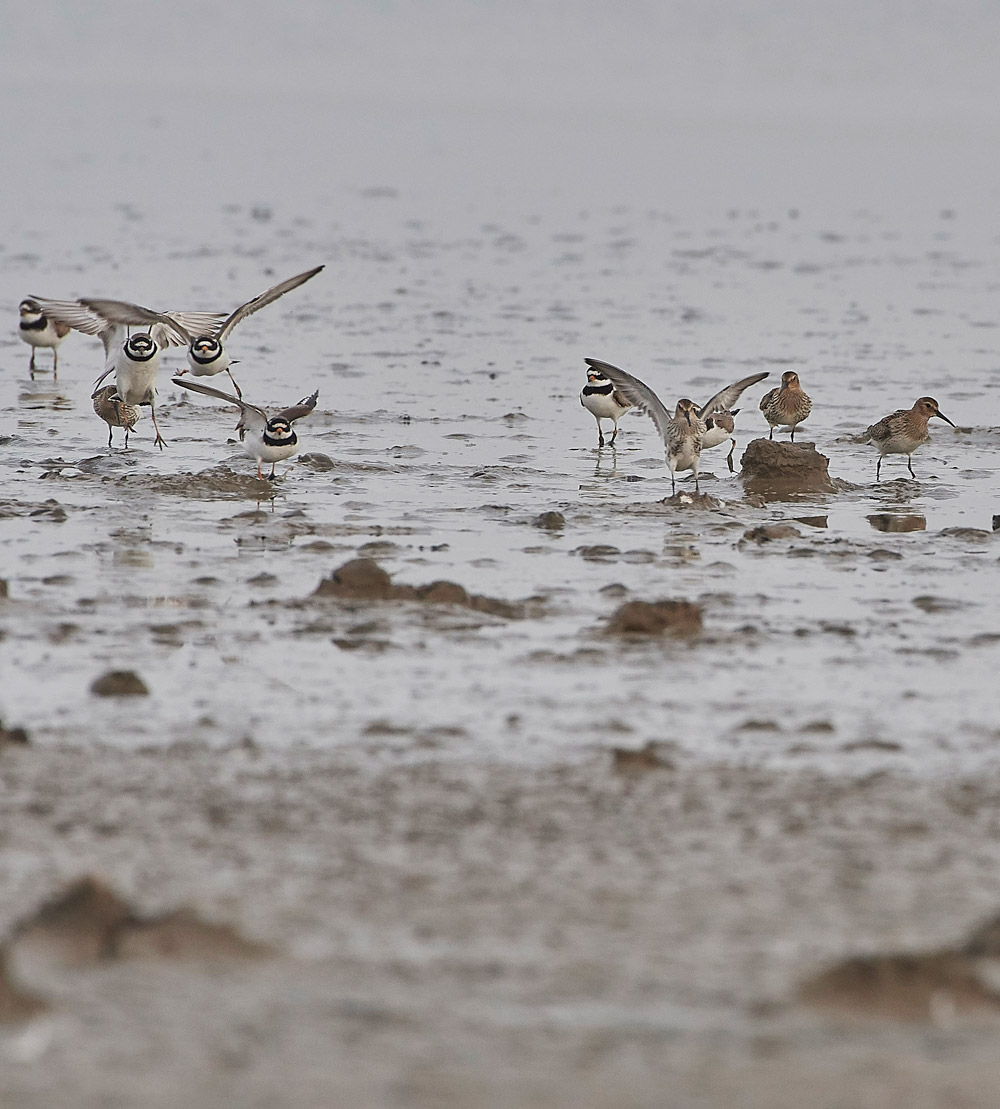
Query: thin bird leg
x=55, y=364
x=771, y=436
x=614, y=435
x=792, y=440
x=878, y=468
x=729, y=457
x=909, y=465
x=127, y=429
x=159, y=441
x=260, y=476
x=109, y=436
x=31, y=364
x=270, y=476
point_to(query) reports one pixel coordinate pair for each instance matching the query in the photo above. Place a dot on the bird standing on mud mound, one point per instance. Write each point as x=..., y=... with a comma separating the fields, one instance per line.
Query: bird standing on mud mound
x=603, y=401
x=901, y=432
x=37, y=330
x=133, y=359
x=114, y=412
x=786, y=406
x=682, y=433
x=268, y=439
x=206, y=354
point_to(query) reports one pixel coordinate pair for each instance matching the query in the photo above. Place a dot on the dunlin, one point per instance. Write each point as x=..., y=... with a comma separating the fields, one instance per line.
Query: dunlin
x=903, y=431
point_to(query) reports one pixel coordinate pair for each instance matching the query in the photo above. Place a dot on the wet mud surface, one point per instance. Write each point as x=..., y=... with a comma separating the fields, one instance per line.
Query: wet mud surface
x=463, y=764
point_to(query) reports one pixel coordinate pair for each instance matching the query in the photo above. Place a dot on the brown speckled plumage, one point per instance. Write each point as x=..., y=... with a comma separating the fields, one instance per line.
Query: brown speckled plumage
x=902, y=431
x=115, y=413
x=786, y=406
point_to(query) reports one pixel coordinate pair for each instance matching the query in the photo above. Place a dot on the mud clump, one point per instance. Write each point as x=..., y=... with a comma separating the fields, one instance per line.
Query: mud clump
x=893, y=522
x=550, y=521
x=16, y=736
x=780, y=469
x=360, y=578
x=676, y=618
x=119, y=683
x=767, y=533
x=90, y=923
x=901, y=987
x=363, y=579
x=914, y=986
x=641, y=760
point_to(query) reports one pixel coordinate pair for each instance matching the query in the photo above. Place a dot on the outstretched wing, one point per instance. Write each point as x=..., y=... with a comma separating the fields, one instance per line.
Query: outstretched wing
x=252, y=418
x=726, y=398
x=300, y=410
x=262, y=300
x=73, y=314
x=173, y=329
x=638, y=393
x=134, y=315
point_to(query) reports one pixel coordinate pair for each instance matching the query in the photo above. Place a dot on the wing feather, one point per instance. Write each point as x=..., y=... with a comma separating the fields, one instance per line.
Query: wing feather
x=724, y=399
x=300, y=410
x=211, y=391
x=261, y=300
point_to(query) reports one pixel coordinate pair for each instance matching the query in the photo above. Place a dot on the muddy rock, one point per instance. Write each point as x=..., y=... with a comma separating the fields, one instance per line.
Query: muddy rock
x=119, y=683
x=550, y=521
x=632, y=760
x=17, y=736
x=361, y=577
x=910, y=987
x=680, y=618
x=364, y=579
x=767, y=533
x=90, y=923
x=770, y=467
x=894, y=522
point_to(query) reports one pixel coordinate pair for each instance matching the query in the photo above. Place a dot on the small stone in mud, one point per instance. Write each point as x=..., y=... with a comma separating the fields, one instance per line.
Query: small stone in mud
x=768, y=532
x=598, y=551
x=996, y=523
x=629, y=760
x=119, y=683
x=656, y=618
x=813, y=521
x=12, y=735
x=937, y=604
x=263, y=579
x=316, y=461
x=361, y=577
x=550, y=521
x=772, y=467
x=893, y=522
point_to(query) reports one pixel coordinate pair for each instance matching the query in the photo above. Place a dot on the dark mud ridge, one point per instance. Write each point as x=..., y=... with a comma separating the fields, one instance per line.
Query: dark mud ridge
x=87, y=924
x=363, y=579
x=914, y=986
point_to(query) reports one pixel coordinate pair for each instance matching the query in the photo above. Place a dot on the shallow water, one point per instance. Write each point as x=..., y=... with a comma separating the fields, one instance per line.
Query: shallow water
x=481, y=237
x=448, y=405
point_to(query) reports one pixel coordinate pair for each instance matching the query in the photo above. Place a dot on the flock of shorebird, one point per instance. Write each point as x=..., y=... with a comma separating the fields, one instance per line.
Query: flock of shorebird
x=611, y=392
x=134, y=360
